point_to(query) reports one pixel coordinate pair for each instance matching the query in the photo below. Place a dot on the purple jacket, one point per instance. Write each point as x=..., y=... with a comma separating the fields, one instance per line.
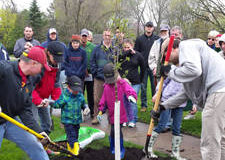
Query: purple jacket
x=170, y=88
x=108, y=99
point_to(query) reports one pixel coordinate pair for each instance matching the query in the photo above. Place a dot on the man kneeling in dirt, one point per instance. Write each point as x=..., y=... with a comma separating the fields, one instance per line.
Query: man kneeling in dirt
x=15, y=100
x=202, y=72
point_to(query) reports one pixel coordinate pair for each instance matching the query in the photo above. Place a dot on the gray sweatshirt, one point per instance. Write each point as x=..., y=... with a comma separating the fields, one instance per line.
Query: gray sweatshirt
x=19, y=46
x=201, y=70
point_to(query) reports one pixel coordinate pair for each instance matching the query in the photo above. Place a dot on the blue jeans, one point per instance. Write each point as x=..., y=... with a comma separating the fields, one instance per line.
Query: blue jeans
x=148, y=73
x=72, y=133
x=176, y=114
x=26, y=141
x=136, y=87
x=43, y=114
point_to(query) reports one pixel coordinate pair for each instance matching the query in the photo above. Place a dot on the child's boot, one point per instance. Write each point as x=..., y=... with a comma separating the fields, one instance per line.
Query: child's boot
x=112, y=145
x=176, y=141
x=122, y=149
x=75, y=150
x=151, y=144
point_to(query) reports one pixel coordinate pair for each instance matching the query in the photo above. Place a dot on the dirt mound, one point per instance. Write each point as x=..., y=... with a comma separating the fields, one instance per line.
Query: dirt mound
x=105, y=154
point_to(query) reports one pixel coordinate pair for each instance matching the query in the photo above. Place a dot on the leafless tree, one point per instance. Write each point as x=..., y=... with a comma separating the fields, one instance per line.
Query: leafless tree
x=212, y=11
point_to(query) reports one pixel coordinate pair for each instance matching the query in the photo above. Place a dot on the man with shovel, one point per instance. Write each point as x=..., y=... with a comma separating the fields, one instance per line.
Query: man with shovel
x=202, y=72
x=15, y=100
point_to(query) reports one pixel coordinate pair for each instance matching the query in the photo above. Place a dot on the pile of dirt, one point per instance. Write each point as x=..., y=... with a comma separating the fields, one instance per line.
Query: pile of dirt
x=105, y=154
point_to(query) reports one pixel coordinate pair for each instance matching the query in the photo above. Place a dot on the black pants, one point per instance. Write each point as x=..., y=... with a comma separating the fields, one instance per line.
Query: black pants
x=90, y=97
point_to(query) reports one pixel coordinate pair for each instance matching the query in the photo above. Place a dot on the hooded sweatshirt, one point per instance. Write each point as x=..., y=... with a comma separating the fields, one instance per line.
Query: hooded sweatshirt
x=75, y=62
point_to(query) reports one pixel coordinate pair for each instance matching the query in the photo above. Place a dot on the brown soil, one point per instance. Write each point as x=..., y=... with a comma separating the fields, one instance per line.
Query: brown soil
x=104, y=154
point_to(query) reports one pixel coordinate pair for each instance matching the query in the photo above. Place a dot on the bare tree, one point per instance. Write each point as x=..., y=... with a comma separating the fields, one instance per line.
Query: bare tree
x=212, y=11
x=156, y=10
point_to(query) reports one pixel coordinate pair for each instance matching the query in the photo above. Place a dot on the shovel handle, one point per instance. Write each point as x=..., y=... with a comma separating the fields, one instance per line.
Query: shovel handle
x=6, y=117
x=170, y=46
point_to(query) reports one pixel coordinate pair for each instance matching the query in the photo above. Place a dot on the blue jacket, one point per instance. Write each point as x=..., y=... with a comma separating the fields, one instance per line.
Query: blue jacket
x=99, y=57
x=45, y=43
x=3, y=53
x=75, y=62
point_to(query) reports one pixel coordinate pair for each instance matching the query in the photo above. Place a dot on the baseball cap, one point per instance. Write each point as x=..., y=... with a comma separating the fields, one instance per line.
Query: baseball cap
x=74, y=83
x=84, y=32
x=52, y=30
x=109, y=73
x=37, y=53
x=164, y=27
x=56, y=49
x=149, y=24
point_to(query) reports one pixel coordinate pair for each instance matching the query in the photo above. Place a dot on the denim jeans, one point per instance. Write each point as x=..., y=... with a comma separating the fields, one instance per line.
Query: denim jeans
x=136, y=87
x=72, y=133
x=148, y=73
x=26, y=141
x=176, y=114
x=43, y=114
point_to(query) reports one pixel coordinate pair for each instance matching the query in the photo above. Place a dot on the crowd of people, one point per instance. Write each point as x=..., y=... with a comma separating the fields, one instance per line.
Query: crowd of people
x=36, y=82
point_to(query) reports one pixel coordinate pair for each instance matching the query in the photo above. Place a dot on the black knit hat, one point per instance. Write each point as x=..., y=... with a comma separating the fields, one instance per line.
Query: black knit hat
x=56, y=49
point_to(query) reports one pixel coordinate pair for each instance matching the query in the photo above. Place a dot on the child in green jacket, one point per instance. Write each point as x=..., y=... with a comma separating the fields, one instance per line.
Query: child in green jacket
x=71, y=102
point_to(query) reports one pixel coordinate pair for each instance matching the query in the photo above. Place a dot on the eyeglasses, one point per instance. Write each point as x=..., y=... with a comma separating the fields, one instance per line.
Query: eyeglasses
x=211, y=39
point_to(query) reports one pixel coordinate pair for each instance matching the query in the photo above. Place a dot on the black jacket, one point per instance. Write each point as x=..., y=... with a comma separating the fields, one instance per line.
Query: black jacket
x=15, y=100
x=143, y=44
x=129, y=67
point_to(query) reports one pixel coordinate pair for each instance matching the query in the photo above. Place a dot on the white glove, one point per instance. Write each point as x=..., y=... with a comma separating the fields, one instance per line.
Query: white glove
x=86, y=111
x=132, y=99
x=0, y=109
x=45, y=135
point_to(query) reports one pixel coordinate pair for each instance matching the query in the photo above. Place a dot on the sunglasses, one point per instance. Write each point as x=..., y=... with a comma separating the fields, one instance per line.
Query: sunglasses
x=211, y=39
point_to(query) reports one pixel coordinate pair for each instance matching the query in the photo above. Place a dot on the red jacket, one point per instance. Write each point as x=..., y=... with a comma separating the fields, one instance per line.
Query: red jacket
x=46, y=87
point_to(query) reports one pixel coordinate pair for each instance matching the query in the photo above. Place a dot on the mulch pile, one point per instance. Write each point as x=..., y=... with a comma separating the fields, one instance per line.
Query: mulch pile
x=105, y=154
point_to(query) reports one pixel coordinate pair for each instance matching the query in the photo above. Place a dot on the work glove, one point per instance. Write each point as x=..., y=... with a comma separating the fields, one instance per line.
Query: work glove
x=164, y=70
x=99, y=116
x=156, y=114
x=132, y=99
x=86, y=111
x=44, y=103
x=46, y=138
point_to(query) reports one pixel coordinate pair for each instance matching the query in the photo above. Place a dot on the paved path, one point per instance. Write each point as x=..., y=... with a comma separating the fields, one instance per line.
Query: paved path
x=190, y=145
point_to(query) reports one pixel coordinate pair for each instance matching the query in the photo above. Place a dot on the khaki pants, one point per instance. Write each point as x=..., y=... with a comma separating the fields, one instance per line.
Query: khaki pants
x=98, y=90
x=213, y=128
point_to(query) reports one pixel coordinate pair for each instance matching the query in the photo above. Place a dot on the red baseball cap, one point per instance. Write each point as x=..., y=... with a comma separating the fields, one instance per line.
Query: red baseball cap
x=37, y=53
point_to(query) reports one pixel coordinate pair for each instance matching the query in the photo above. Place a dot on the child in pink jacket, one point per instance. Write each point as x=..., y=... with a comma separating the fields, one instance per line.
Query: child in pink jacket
x=108, y=101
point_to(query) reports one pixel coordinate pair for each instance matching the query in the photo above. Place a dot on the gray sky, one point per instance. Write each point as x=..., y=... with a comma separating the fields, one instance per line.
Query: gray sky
x=25, y=4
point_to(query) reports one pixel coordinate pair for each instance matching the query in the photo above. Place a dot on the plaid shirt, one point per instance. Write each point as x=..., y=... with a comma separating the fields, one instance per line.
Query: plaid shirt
x=71, y=106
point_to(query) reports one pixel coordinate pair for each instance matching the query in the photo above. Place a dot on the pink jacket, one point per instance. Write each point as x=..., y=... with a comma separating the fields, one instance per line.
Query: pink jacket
x=108, y=99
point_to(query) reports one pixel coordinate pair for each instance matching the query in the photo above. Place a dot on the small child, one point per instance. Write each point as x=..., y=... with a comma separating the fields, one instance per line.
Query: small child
x=71, y=102
x=108, y=99
x=170, y=88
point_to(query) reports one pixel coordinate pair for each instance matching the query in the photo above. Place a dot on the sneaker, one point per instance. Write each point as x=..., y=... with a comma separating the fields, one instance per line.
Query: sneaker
x=143, y=109
x=95, y=121
x=189, y=116
x=124, y=124
x=131, y=124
